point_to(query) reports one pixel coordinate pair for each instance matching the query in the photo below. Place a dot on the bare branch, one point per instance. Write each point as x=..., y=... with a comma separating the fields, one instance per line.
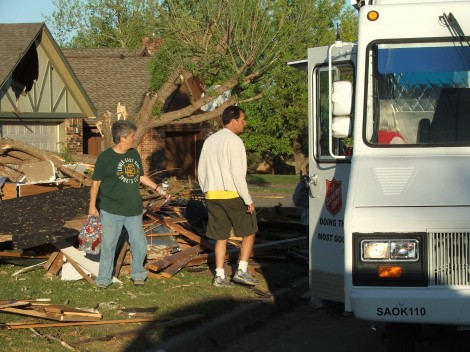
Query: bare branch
x=249, y=100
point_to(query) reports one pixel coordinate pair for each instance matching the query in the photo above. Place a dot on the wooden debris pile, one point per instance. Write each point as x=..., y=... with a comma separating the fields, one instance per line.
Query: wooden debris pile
x=39, y=309
x=193, y=248
x=65, y=316
x=175, y=231
x=173, y=243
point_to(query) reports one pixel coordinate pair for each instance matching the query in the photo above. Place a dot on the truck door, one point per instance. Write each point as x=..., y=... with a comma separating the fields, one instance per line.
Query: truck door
x=329, y=168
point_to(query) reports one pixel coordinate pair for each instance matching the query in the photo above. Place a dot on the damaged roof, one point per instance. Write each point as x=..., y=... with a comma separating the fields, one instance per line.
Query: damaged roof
x=38, y=219
x=15, y=39
x=112, y=75
x=30, y=56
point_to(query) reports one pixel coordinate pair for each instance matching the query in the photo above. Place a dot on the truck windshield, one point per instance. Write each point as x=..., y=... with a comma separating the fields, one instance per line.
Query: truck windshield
x=418, y=94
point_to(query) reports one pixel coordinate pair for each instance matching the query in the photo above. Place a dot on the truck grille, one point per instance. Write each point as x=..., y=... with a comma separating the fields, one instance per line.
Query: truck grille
x=449, y=258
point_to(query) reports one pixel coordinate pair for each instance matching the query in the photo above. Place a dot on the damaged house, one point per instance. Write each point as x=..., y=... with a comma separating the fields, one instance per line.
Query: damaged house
x=42, y=103
x=52, y=99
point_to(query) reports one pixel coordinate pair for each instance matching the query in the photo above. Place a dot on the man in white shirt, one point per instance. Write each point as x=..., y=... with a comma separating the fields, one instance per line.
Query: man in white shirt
x=222, y=177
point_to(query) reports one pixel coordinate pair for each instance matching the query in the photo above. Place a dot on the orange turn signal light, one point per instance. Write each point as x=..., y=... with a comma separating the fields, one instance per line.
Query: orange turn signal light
x=389, y=271
x=373, y=15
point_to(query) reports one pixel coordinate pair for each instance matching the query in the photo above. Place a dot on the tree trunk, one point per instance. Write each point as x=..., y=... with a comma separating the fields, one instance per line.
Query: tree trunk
x=9, y=145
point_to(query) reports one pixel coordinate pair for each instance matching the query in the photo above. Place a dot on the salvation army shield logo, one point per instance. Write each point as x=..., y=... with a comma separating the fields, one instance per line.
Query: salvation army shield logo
x=333, y=199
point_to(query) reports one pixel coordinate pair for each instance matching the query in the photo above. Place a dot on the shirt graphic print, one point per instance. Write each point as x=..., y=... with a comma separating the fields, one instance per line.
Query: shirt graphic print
x=128, y=171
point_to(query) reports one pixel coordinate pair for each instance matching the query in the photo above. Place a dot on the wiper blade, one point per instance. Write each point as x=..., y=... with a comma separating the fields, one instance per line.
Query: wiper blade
x=454, y=27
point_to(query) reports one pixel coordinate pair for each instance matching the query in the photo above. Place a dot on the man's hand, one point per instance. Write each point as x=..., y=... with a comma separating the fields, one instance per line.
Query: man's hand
x=251, y=208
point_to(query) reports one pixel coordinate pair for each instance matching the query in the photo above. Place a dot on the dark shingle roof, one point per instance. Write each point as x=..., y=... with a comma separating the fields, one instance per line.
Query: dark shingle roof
x=15, y=39
x=110, y=76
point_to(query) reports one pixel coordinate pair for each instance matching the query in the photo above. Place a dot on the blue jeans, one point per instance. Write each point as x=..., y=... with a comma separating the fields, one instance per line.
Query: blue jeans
x=112, y=228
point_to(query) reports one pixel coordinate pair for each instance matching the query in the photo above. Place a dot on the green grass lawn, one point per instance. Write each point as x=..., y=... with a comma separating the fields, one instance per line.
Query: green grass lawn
x=272, y=184
x=188, y=292
x=268, y=179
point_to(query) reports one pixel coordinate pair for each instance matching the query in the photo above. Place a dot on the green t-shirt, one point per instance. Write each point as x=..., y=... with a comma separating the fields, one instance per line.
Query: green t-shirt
x=120, y=179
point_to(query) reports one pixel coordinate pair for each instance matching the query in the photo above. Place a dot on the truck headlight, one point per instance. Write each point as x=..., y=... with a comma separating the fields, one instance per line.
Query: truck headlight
x=403, y=250
x=388, y=250
x=375, y=250
x=389, y=259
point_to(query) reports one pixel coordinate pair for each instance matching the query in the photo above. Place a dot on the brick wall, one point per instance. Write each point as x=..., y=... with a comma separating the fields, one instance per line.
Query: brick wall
x=152, y=151
x=74, y=135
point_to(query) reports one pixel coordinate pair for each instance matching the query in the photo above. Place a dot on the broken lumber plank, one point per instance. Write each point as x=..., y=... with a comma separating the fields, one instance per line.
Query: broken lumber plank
x=120, y=259
x=90, y=278
x=47, y=315
x=163, y=321
x=233, y=253
x=191, y=235
x=66, y=310
x=181, y=230
x=6, y=238
x=12, y=303
x=176, y=266
x=152, y=275
x=28, y=268
x=161, y=234
x=51, y=259
x=165, y=262
x=176, y=220
x=56, y=265
x=80, y=257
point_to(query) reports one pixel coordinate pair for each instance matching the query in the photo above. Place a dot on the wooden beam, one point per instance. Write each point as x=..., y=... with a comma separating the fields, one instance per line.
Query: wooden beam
x=79, y=257
x=90, y=278
x=175, y=267
x=120, y=259
x=191, y=235
x=51, y=260
x=176, y=220
x=12, y=303
x=181, y=230
x=56, y=265
x=233, y=253
x=160, y=322
x=48, y=315
x=162, y=234
x=181, y=255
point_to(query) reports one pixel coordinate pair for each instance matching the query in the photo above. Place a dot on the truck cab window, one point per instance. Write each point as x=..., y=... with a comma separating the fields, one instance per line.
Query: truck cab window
x=419, y=94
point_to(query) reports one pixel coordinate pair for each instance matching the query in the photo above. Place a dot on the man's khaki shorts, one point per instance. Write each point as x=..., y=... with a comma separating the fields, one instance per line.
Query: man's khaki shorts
x=227, y=213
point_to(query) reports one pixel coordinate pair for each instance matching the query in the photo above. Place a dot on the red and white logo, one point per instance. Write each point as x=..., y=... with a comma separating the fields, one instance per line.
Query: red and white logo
x=333, y=198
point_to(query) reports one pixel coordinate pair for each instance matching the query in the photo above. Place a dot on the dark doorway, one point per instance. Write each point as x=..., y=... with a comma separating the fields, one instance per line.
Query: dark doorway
x=181, y=151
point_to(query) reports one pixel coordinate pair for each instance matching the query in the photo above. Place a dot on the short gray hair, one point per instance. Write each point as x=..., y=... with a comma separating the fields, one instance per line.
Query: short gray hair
x=122, y=128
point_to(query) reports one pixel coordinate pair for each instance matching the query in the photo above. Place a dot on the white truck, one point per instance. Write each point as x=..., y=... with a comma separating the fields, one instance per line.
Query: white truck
x=390, y=217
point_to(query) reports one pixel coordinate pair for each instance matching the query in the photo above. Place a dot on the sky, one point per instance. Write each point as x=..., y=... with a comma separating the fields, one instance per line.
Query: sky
x=24, y=11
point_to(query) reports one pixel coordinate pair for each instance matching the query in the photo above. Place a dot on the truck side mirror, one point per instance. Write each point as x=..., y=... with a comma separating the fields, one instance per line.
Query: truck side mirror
x=341, y=98
x=341, y=127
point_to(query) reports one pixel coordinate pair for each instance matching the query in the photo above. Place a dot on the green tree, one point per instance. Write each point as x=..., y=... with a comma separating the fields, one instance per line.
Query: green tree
x=277, y=125
x=240, y=46
x=103, y=23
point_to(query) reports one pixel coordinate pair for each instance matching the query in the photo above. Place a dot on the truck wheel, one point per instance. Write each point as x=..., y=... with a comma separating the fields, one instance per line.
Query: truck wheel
x=399, y=337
